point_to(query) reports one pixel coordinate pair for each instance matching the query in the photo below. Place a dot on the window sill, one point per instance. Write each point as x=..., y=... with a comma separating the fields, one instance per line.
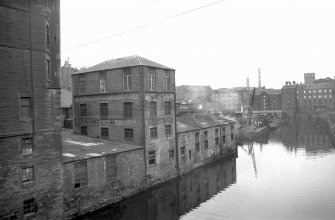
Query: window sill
x=28, y=184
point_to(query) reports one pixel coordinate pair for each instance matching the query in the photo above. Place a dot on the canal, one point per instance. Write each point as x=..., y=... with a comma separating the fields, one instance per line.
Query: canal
x=286, y=174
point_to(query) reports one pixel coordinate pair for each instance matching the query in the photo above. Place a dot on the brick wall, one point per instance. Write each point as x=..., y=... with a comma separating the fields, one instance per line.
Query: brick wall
x=203, y=156
x=101, y=191
x=23, y=53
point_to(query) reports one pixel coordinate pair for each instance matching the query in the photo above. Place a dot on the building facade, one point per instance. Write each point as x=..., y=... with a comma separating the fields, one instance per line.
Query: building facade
x=130, y=100
x=315, y=95
x=202, y=138
x=226, y=100
x=30, y=140
x=267, y=99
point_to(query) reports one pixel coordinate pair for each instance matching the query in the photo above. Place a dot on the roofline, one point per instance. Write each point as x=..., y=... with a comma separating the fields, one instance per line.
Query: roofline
x=78, y=73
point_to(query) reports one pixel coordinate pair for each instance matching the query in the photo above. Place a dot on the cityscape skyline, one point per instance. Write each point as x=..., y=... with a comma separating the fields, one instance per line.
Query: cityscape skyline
x=216, y=43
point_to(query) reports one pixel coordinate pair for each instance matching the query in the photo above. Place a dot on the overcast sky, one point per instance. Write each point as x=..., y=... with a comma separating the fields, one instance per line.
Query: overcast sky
x=218, y=45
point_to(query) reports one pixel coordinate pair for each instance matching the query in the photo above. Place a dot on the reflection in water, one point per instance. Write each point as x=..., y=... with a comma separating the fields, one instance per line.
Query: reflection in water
x=175, y=198
x=309, y=135
x=276, y=180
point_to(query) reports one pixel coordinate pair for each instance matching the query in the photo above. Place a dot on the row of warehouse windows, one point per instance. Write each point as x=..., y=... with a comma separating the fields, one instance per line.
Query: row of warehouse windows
x=319, y=96
x=126, y=80
x=316, y=91
x=152, y=153
x=127, y=109
x=129, y=132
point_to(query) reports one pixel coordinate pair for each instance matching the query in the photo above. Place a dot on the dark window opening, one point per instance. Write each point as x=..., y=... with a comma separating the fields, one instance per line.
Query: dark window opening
x=152, y=157
x=104, y=133
x=128, y=134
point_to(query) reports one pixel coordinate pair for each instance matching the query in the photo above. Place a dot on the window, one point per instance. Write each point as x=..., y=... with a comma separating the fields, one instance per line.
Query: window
x=47, y=35
x=152, y=157
x=189, y=154
x=25, y=108
x=232, y=137
x=29, y=206
x=171, y=154
x=152, y=80
x=27, y=146
x=232, y=128
x=103, y=111
x=216, y=132
x=80, y=174
x=224, y=139
x=48, y=70
x=197, y=142
x=168, y=130
x=167, y=107
x=216, y=141
x=111, y=169
x=128, y=110
x=83, y=110
x=223, y=129
x=309, y=91
x=153, y=133
x=128, y=134
x=153, y=109
x=82, y=83
x=27, y=174
x=127, y=84
x=83, y=130
x=205, y=139
x=166, y=80
x=182, y=153
x=103, y=82
x=104, y=133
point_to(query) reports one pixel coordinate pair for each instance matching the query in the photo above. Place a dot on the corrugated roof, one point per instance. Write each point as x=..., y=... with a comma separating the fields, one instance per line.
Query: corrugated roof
x=122, y=63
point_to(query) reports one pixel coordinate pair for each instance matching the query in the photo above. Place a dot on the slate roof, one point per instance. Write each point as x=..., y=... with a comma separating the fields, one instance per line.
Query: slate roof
x=121, y=63
x=78, y=147
x=194, y=121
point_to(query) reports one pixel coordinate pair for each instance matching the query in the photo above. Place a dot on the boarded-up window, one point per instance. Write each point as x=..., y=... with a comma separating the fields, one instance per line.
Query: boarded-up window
x=153, y=109
x=167, y=108
x=111, y=170
x=83, y=110
x=25, y=107
x=82, y=83
x=80, y=174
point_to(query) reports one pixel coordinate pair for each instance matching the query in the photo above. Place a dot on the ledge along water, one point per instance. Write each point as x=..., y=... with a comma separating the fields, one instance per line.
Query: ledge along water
x=287, y=173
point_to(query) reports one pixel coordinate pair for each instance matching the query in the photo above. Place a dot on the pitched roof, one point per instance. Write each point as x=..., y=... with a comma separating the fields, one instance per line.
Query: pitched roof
x=123, y=62
x=189, y=122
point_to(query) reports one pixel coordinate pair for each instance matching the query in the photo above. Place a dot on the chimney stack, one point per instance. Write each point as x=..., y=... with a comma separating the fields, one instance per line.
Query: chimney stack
x=247, y=82
x=259, y=78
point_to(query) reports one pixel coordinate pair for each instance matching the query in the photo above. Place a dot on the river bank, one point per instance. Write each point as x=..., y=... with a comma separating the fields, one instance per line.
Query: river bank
x=249, y=133
x=329, y=119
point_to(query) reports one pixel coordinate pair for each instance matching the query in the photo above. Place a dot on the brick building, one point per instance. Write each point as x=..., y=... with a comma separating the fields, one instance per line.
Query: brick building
x=98, y=172
x=30, y=140
x=267, y=99
x=202, y=138
x=315, y=95
x=130, y=100
x=226, y=100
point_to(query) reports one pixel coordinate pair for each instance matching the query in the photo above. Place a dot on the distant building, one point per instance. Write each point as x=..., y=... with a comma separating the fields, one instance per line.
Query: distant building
x=66, y=94
x=130, y=100
x=226, y=100
x=315, y=95
x=30, y=140
x=267, y=99
x=203, y=137
x=198, y=96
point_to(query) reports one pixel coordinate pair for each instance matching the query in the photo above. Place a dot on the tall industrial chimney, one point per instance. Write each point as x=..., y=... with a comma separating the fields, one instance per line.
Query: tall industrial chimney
x=248, y=82
x=259, y=78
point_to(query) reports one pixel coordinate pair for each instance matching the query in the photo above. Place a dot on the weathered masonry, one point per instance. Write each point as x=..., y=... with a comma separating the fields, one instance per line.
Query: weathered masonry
x=98, y=172
x=130, y=100
x=203, y=138
x=30, y=140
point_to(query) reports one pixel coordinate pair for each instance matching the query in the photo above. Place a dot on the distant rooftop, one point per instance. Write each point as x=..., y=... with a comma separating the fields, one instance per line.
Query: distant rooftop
x=194, y=121
x=77, y=147
x=122, y=63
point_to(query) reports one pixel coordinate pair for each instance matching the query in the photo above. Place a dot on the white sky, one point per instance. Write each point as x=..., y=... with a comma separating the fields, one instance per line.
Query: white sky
x=219, y=45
